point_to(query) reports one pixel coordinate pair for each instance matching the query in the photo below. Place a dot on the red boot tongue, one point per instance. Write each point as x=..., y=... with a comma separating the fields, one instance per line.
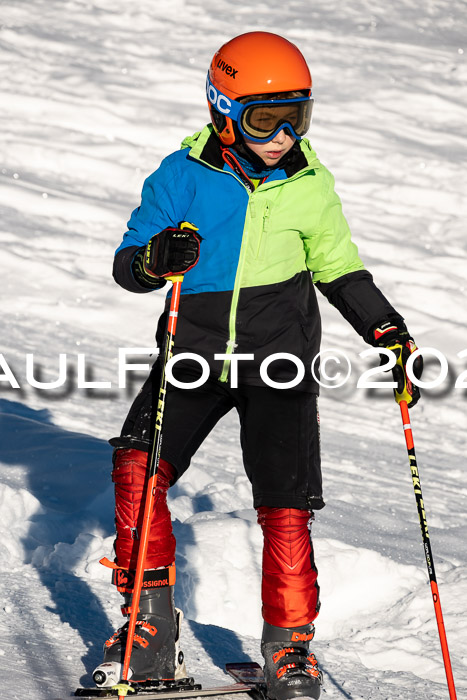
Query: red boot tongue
x=129, y=477
x=288, y=568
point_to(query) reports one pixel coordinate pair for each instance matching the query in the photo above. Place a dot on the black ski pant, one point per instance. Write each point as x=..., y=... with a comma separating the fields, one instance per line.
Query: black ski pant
x=279, y=435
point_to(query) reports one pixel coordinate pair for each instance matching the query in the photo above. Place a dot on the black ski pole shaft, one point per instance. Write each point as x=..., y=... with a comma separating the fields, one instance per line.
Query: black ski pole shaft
x=427, y=546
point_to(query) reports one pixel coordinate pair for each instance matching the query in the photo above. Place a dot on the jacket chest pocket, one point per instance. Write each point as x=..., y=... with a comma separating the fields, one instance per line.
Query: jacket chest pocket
x=261, y=219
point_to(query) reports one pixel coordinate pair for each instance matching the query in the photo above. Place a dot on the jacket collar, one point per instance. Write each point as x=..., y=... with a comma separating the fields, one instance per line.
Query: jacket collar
x=205, y=146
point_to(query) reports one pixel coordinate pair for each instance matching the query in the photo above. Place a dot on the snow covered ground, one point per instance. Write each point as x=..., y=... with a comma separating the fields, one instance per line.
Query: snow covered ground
x=93, y=94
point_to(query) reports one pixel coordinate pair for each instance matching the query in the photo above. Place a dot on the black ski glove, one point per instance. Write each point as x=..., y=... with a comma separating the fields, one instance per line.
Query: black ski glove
x=173, y=251
x=396, y=337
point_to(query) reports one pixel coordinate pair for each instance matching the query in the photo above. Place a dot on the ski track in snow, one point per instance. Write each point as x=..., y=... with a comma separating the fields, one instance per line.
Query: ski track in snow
x=93, y=95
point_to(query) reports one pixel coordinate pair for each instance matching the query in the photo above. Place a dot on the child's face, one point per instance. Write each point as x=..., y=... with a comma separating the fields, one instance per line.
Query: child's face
x=272, y=151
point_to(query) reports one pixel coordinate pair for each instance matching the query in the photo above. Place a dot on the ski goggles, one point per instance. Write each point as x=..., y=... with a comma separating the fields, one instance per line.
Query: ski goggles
x=261, y=120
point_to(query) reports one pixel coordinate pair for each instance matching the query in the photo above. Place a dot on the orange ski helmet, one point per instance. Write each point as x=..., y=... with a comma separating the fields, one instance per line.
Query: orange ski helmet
x=259, y=64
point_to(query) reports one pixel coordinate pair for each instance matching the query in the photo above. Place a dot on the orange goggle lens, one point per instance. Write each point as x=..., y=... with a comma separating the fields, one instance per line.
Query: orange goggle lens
x=261, y=121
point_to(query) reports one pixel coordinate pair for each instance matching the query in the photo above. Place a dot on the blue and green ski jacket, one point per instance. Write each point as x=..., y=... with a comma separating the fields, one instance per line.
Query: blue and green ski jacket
x=252, y=291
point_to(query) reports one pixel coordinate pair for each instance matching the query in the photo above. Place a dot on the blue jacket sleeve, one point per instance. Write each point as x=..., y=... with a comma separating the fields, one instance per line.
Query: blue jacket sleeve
x=161, y=206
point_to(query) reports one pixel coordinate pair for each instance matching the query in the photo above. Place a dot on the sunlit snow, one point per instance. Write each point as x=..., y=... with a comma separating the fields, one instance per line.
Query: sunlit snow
x=93, y=95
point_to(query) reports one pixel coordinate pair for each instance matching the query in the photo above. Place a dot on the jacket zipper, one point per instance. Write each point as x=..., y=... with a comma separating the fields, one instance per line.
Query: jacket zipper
x=231, y=344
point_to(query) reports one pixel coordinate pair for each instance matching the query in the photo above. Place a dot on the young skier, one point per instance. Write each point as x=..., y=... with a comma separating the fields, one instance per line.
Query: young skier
x=267, y=216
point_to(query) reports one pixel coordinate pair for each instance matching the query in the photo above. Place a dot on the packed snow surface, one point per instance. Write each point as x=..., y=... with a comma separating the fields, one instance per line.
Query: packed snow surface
x=93, y=95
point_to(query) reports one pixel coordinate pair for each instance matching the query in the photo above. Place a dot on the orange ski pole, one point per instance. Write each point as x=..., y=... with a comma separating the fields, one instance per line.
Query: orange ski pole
x=427, y=546
x=123, y=687
x=153, y=465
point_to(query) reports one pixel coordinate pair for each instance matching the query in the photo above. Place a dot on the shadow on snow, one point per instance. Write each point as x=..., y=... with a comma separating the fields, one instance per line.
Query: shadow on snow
x=69, y=474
